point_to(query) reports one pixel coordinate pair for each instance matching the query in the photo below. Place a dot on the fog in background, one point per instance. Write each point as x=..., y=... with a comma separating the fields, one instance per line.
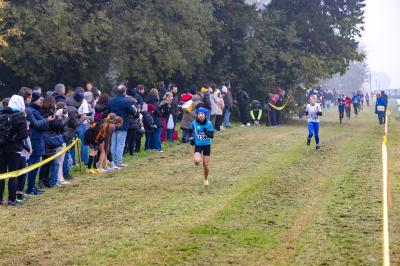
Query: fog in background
x=381, y=40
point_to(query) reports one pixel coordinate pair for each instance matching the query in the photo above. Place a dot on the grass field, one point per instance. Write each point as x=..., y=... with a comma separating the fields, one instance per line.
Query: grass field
x=271, y=201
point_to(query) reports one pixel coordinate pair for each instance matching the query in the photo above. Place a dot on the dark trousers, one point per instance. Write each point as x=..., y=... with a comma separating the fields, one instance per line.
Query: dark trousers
x=9, y=162
x=149, y=138
x=32, y=174
x=138, y=141
x=218, y=122
x=381, y=119
x=243, y=115
x=22, y=178
x=341, y=115
x=272, y=116
x=278, y=117
x=355, y=106
x=44, y=173
x=130, y=140
x=348, y=112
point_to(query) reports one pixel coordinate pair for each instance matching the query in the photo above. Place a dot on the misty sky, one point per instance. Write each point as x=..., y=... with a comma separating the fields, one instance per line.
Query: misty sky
x=382, y=38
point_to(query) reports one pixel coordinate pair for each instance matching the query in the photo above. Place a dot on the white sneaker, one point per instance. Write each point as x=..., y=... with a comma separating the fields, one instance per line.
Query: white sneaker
x=248, y=124
x=242, y=125
x=103, y=170
x=115, y=167
x=206, y=182
x=122, y=165
x=65, y=183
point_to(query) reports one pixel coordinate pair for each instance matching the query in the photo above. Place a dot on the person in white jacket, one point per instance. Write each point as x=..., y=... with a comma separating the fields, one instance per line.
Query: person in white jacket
x=217, y=109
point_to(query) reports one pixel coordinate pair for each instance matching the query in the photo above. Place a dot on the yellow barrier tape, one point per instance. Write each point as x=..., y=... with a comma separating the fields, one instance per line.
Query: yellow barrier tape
x=385, y=199
x=276, y=107
x=28, y=169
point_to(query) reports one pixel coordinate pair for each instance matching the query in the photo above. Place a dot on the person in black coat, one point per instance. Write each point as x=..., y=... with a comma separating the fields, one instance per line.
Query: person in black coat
x=10, y=151
x=47, y=176
x=243, y=101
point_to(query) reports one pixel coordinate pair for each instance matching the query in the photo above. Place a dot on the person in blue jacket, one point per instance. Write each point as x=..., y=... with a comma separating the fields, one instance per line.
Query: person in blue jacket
x=122, y=107
x=356, y=103
x=380, y=108
x=202, y=131
x=37, y=141
x=341, y=105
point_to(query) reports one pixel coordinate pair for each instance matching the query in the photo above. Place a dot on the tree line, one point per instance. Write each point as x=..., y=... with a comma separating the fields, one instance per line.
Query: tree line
x=286, y=43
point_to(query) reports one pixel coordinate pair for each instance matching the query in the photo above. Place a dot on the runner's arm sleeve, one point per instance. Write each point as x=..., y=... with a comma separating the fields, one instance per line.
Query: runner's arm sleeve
x=209, y=134
x=259, y=114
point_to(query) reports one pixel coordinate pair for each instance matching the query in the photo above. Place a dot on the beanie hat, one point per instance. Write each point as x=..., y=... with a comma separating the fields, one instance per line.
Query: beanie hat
x=78, y=96
x=202, y=110
x=35, y=96
x=204, y=89
x=150, y=107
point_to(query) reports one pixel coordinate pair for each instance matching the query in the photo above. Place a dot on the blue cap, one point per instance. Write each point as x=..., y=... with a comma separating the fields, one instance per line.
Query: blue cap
x=202, y=110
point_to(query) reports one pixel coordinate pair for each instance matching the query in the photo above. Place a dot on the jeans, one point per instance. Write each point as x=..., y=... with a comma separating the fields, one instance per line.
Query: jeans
x=185, y=135
x=32, y=174
x=170, y=135
x=227, y=117
x=22, y=178
x=149, y=139
x=58, y=164
x=156, y=141
x=80, y=130
x=313, y=129
x=117, y=146
x=9, y=161
x=72, y=153
x=67, y=162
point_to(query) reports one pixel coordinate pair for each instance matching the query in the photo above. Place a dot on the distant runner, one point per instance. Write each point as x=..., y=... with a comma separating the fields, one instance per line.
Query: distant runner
x=313, y=112
x=341, y=105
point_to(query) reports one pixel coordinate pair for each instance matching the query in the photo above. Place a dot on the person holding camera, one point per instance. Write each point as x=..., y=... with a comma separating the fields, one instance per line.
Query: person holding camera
x=201, y=132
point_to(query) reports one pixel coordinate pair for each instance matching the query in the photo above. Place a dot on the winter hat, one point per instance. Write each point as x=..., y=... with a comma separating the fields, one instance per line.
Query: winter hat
x=35, y=96
x=204, y=89
x=150, y=107
x=16, y=103
x=202, y=110
x=78, y=96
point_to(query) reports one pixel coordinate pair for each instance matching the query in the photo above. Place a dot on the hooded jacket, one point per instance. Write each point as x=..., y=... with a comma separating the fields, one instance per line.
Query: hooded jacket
x=217, y=105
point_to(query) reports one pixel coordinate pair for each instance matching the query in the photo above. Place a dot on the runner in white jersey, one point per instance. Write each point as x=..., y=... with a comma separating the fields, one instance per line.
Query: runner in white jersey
x=313, y=112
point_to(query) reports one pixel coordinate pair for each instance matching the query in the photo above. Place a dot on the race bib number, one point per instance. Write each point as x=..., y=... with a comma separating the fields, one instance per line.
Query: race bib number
x=380, y=108
x=202, y=136
x=314, y=116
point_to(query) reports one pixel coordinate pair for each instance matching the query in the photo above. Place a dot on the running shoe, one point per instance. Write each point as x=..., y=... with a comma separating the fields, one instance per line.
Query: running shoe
x=103, y=170
x=206, y=182
x=317, y=147
x=308, y=141
x=97, y=171
x=115, y=167
x=64, y=183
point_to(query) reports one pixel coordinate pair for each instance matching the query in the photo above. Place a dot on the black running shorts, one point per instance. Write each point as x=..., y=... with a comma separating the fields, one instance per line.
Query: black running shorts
x=205, y=150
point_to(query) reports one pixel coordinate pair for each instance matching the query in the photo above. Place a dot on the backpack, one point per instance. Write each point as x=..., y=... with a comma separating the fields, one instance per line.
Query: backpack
x=6, y=127
x=91, y=134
